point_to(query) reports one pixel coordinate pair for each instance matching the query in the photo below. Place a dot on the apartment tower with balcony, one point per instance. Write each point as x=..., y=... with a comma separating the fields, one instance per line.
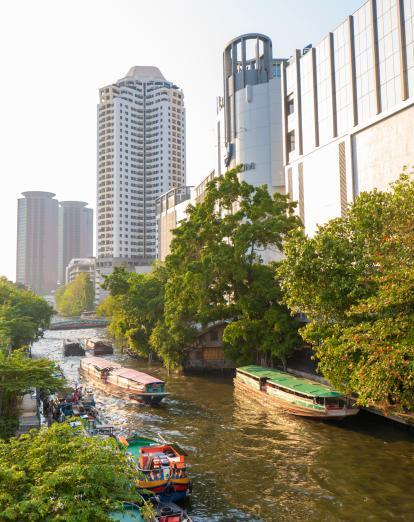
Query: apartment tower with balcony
x=141, y=155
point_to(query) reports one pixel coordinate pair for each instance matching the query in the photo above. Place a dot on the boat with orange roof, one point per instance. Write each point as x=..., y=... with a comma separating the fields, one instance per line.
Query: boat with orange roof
x=121, y=382
x=162, y=466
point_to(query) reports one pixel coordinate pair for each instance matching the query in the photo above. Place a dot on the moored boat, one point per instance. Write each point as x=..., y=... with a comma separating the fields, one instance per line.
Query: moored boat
x=72, y=347
x=294, y=395
x=98, y=347
x=124, y=383
x=162, y=465
x=163, y=512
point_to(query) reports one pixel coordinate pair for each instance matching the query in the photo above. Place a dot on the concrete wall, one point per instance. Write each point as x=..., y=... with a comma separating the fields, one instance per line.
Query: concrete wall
x=381, y=151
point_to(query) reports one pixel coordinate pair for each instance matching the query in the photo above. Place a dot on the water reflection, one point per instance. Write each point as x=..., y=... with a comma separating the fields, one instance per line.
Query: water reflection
x=249, y=463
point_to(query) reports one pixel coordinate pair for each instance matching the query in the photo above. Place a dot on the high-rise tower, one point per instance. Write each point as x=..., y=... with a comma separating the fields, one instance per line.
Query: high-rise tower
x=250, y=112
x=141, y=155
x=75, y=234
x=37, y=241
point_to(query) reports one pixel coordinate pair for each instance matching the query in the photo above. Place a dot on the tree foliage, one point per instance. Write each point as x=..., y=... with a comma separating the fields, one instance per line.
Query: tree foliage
x=135, y=305
x=61, y=473
x=23, y=315
x=355, y=282
x=216, y=271
x=75, y=297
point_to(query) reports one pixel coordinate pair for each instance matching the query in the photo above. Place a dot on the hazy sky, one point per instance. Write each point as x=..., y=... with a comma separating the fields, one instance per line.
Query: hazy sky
x=55, y=54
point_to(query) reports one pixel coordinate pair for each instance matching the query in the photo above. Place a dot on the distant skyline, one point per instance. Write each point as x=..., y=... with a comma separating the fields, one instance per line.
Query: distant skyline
x=56, y=56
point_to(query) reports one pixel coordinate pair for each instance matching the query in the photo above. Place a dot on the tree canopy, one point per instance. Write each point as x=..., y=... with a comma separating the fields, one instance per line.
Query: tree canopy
x=135, y=305
x=354, y=280
x=75, y=297
x=61, y=473
x=216, y=271
x=23, y=315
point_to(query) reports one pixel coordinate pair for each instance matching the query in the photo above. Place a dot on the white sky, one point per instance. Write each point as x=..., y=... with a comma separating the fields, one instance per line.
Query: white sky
x=55, y=54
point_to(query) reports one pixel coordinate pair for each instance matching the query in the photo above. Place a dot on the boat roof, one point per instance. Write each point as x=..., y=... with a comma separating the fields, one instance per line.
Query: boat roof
x=291, y=382
x=100, y=363
x=127, y=373
x=134, y=375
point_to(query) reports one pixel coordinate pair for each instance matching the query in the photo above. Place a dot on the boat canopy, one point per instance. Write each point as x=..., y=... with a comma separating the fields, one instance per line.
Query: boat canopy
x=100, y=363
x=136, y=376
x=290, y=382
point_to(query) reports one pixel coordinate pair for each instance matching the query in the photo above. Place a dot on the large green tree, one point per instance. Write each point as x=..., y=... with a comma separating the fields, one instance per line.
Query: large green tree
x=23, y=315
x=217, y=271
x=76, y=297
x=61, y=473
x=354, y=280
x=135, y=305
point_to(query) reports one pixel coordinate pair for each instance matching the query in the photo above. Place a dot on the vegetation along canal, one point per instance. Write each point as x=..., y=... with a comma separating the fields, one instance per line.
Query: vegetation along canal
x=248, y=463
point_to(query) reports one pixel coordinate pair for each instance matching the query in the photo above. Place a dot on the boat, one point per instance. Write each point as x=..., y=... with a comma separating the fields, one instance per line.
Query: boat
x=124, y=383
x=98, y=347
x=162, y=465
x=295, y=395
x=72, y=347
x=164, y=512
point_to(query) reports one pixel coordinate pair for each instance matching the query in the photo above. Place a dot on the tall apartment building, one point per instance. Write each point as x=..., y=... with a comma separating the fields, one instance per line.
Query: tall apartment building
x=249, y=128
x=141, y=155
x=348, y=110
x=75, y=234
x=37, y=241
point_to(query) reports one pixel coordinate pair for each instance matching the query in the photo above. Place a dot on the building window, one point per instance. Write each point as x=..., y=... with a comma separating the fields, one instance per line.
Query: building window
x=291, y=141
x=290, y=105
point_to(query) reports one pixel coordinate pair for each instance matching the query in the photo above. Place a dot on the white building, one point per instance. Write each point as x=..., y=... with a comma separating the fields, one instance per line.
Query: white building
x=141, y=155
x=349, y=110
x=80, y=266
x=249, y=127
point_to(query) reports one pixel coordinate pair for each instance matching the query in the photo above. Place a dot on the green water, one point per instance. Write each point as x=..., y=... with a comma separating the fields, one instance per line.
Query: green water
x=248, y=463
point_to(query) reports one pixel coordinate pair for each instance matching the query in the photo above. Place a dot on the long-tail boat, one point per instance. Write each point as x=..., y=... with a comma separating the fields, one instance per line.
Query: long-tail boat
x=294, y=395
x=162, y=465
x=124, y=383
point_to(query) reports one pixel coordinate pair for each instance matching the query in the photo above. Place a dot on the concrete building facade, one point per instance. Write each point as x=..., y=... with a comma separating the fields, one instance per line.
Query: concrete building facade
x=37, y=241
x=171, y=208
x=249, y=128
x=141, y=155
x=75, y=234
x=80, y=266
x=348, y=110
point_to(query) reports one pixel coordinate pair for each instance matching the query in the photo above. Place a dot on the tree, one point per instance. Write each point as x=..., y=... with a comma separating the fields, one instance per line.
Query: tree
x=61, y=473
x=19, y=374
x=135, y=305
x=23, y=315
x=216, y=271
x=355, y=282
x=77, y=296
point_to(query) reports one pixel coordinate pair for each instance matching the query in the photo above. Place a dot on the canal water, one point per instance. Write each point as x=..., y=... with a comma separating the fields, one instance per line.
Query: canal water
x=248, y=463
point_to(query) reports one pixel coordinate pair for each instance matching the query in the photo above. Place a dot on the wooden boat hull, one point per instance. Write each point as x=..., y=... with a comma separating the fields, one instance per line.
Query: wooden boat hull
x=98, y=348
x=172, y=490
x=294, y=409
x=129, y=394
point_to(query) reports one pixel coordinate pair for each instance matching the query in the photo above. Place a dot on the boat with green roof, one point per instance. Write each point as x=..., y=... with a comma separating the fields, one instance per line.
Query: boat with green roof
x=294, y=395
